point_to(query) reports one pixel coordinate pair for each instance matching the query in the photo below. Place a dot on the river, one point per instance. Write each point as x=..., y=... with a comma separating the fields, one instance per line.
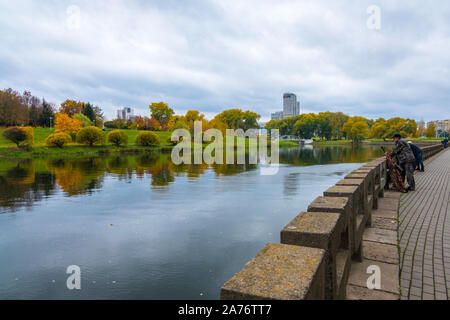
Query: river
x=140, y=227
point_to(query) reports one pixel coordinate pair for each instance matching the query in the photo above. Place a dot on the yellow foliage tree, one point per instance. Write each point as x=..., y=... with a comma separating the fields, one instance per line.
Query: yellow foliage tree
x=356, y=128
x=431, y=130
x=64, y=123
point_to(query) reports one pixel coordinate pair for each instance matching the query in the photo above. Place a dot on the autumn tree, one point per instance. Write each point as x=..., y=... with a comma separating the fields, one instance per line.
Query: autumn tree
x=431, y=130
x=161, y=112
x=238, y=119
x=356, y=129
x=71, y=107
x=379, y=129
x=305, y=126
x=64, y=123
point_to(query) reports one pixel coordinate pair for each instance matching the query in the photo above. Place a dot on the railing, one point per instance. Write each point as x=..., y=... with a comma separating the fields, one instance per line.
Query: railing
x=314, y=257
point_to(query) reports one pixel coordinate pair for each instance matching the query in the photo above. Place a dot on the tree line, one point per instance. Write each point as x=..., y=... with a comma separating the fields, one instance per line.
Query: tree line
x=163, y=118
x=337, y=126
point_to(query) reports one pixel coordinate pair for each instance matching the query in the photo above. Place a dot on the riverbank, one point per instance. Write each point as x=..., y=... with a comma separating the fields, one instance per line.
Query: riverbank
x=374, y=142
x=8, y=150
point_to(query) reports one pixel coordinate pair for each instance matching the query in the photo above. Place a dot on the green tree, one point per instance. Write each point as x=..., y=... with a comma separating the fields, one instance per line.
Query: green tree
x=47, y=116
x=85, y=121
x=161, y=112
x=89, y=112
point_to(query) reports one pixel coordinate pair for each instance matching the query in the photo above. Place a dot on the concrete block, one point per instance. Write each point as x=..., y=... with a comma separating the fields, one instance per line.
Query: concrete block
x=380, y=252
x=343, y=267
x=389, y=276
x=318, y=230
x=337, y=205
x=380, y=235
x=384, y=223
x=279, y=272
x=355, y=196
x=314, y=229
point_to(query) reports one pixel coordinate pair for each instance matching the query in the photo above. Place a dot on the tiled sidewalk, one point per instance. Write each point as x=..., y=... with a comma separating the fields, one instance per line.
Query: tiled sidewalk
x=424, y=233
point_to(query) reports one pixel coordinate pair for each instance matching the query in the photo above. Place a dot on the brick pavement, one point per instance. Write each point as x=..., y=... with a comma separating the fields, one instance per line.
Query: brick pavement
x=424, y=233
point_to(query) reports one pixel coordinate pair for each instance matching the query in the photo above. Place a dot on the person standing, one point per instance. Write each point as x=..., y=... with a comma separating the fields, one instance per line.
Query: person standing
x=418, y=154
x=406, y=159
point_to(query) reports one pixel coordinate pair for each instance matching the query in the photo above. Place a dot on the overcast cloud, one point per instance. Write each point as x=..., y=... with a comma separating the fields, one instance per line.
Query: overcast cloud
x=213, y=55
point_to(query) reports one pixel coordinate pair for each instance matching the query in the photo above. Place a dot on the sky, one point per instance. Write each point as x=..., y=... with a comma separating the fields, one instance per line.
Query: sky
x=370, y=58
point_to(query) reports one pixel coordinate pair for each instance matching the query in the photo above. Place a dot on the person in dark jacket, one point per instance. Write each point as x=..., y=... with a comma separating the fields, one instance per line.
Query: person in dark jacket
x=418, y=154
x=405, y=157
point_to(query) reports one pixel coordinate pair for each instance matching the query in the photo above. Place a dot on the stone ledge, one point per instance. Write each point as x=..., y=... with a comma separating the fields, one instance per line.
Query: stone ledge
x=314, y=229
x=280, y=272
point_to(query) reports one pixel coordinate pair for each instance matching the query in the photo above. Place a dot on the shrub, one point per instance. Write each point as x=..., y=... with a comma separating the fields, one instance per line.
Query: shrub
x=29, y=133
x=15, y=135
x=118, y=137
x=147, y=138
x=58, y=140
x=111, y=124
x=90, y=135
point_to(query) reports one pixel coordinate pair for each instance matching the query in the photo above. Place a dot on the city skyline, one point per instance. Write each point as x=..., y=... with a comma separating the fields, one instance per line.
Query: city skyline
x=205, y=56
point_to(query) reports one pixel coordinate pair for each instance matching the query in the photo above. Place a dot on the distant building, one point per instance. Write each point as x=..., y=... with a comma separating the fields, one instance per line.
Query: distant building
x=277, y=115
x=126, y=114
x=291, y=107
x=442, y=127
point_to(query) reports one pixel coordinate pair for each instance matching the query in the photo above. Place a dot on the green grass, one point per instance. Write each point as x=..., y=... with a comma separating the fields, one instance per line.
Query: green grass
x=9, y=149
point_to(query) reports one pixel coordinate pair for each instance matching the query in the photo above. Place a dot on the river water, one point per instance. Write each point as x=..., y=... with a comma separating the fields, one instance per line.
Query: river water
x=140, y=227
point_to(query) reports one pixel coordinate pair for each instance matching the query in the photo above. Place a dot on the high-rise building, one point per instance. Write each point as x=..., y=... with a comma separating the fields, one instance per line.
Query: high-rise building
x=125, y=114
x=291, y=107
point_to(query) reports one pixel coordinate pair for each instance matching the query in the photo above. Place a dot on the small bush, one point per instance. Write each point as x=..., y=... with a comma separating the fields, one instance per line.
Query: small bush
x=147, y=139
x=118, y=137
x=15, y=135
x=90, y=135
x=20, y=136
x=58, y=140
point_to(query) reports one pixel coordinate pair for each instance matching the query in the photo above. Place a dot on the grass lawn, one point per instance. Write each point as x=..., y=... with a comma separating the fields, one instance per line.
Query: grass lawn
x=8, y=148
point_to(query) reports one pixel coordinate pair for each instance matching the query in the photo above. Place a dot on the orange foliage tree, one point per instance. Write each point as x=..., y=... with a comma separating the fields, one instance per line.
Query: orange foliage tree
x=64, y=123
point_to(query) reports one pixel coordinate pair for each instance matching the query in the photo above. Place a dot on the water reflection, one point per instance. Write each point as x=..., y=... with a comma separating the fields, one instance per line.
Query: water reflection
x=141, y=227
x=24, y=182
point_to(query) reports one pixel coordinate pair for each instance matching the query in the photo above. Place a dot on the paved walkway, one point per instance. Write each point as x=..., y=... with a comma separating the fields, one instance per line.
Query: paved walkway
x=424, y=233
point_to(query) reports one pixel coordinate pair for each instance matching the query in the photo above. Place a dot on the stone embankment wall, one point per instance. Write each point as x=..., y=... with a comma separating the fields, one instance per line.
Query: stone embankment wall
x=317, y=247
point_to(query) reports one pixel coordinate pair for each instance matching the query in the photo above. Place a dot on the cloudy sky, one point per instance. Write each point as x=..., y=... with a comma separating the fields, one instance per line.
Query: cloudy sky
x=213, y=55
